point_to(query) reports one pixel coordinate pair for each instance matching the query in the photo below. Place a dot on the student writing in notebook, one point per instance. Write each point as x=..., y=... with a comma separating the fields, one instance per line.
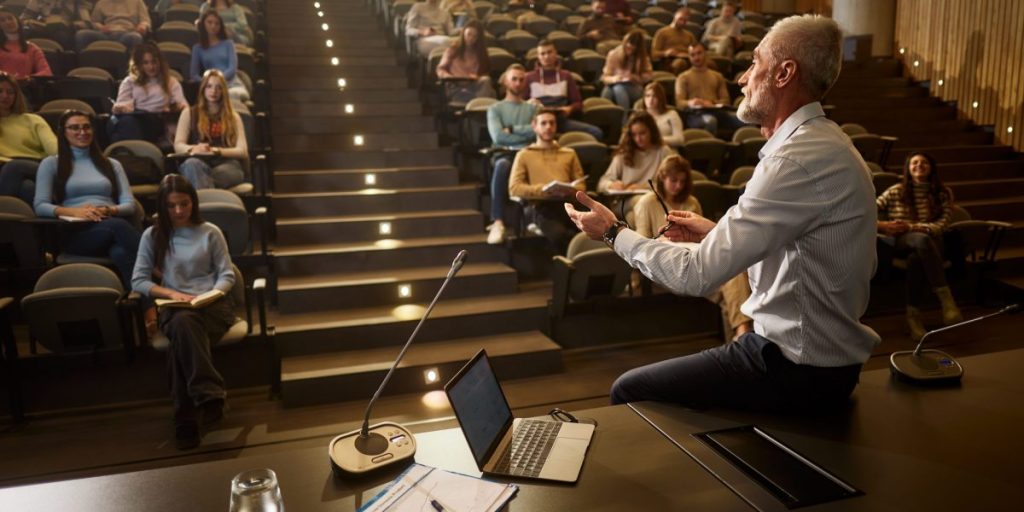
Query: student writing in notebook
x=191, y=257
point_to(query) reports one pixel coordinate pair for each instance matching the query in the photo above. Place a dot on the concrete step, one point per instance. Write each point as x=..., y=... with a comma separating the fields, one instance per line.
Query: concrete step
x=986, y=189
x=316, y=49
x=870, y=81
x=296, y=41
x=349, y=375
x=389, y=326
x=853, y=91
x=313, y=259
x=375, y=103
x=963, y=138
x=871, y=103
x=1006, y=208
x=900, y=115
x=956, y=153
x=353, y=82
x=329, y=291
x=350, y=125
x=363, y=159
x=375, y=201
x=368, y=69
x=366, y=228
x=312, y=63
x=359, y=179
x=885, y=67
x=975, y=171
x=362, y=141
x=281, y=95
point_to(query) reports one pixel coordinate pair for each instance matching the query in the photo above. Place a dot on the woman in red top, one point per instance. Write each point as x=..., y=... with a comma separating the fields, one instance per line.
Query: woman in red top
x=19, y=57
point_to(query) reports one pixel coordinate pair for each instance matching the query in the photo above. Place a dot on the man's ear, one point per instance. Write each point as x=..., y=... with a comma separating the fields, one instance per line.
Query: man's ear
x=785, y=74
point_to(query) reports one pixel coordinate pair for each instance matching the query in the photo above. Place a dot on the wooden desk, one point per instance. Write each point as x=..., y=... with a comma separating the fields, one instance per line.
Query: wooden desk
x=629, y=466
x=907, y=448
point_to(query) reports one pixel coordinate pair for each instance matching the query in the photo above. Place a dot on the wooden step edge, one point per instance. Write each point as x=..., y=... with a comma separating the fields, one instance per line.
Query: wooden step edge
x=419, y=354
x=380, y=245
x=377, y=191
x=383, y=170
x=341, y=219
x=286, y=284
x=992, y=202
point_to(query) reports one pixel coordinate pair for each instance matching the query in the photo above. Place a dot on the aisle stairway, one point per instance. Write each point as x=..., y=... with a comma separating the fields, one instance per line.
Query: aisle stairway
x=987, y=178
x=366, y=231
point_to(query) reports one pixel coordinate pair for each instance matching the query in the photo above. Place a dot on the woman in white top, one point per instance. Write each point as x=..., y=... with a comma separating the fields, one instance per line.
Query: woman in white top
x=669, y=124
x=148, y=88
x=641, y=149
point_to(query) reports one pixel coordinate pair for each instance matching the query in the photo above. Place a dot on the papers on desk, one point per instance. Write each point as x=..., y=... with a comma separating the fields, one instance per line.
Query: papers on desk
x=427, y=488
x=561, y=187
x=69, y=218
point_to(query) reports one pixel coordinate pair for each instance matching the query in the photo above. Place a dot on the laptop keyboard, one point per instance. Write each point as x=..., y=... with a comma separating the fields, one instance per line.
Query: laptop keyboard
x=529, y=448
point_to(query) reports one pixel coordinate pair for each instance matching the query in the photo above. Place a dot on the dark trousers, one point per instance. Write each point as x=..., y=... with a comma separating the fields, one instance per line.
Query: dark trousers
x=750, y=373
x=191, y=333
x=18, y=179
x=113, y=237
x=553, y=222
x=924, y=265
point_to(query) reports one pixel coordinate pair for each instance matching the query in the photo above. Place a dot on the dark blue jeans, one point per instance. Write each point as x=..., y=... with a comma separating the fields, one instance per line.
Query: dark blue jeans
x=18, y=179
x=750, y=373
x=502, y=167
x=112, y=237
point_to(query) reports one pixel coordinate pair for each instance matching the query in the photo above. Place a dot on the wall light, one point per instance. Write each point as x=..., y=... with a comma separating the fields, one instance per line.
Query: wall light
x=903, y=51
x=1009, y=129
x=330, y=44
x=941, y=82
x=371, y=179
x=320, y=14
x=342, y=83
x=385, y=228
x=349, y=108
x=334, y=61
x=316, y=5
x=917, y=63
x=404, y=291
x=974, y=105
x=431, y=375
x=358, y=140
x=325, y=27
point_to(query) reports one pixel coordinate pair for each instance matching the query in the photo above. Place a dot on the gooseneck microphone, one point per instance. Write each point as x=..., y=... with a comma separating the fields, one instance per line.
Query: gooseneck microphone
x=935, y=367
x=370, y=448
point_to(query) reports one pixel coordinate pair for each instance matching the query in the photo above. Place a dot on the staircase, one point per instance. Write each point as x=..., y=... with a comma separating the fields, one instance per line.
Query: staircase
x=987, y=179
x=370, y=214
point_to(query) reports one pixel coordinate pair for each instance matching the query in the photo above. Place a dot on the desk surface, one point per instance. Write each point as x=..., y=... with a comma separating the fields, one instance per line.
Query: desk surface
x=628, y=463
x=907, y=448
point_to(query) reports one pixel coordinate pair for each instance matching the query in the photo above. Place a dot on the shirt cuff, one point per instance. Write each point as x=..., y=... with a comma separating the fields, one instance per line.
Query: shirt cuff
x=626, y=242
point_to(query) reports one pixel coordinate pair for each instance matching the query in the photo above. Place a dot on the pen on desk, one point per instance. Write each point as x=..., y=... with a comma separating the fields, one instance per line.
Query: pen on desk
x=663, y=207
x=439, y=507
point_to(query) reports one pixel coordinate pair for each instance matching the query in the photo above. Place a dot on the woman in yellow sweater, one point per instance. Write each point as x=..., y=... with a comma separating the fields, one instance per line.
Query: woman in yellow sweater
x=25, y=139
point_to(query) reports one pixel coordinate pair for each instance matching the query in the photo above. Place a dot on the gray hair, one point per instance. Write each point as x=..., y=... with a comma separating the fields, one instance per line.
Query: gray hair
x=815, y=43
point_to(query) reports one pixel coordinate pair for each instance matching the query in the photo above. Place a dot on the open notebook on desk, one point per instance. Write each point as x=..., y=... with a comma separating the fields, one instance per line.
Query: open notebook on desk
x=426, y=488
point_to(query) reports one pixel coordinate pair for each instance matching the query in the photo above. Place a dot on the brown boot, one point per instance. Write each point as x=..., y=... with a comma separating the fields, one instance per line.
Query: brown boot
x=914, y=323
x=950, y=313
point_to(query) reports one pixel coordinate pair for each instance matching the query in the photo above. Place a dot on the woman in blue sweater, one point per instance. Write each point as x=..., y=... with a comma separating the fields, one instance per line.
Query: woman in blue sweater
x=83, y=185
x=216, y=51
x=191, y=258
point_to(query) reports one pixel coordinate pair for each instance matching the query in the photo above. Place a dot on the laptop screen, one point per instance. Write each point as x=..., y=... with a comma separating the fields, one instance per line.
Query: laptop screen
x=480, y=406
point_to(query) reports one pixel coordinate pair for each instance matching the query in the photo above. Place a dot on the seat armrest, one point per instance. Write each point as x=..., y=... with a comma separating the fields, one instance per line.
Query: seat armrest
x=261, y=221
x=259, y=288
x=561, y=273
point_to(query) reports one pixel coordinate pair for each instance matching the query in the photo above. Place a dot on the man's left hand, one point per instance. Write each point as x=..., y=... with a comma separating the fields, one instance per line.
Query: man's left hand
x=595, y=222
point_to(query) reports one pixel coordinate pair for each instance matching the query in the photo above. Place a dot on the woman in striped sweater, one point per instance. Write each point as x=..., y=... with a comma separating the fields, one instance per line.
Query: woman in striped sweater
x=916, y=212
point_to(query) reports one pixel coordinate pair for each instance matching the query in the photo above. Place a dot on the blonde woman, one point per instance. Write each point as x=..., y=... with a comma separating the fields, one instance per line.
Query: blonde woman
x=211, y=133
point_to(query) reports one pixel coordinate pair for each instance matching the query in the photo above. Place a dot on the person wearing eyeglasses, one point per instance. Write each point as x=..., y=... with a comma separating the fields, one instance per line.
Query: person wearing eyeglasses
x=25, y=138
x=79, y=184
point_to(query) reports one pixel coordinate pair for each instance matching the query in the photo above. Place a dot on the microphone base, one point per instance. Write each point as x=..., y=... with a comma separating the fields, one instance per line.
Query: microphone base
x=387, y=444
x=929, y=368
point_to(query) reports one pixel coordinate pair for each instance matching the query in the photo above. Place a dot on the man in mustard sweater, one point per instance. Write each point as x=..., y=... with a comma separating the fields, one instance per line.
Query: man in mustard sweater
x=536, y=166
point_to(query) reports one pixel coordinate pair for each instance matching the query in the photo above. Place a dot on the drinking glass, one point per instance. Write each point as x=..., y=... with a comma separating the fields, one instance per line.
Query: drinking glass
x=256, y=490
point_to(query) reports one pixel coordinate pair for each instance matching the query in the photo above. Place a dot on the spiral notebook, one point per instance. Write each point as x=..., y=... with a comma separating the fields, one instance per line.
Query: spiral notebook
x=422, y=487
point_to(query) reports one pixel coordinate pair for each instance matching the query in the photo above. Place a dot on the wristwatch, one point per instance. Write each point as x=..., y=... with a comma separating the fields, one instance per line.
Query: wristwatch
x=613, y=231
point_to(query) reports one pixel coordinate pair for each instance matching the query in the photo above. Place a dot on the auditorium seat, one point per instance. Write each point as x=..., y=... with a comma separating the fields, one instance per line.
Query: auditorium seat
x=539, y=25
x=589, y=271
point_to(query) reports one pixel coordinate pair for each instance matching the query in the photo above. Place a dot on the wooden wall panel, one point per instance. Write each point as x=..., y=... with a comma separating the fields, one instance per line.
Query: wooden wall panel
x=976, y=49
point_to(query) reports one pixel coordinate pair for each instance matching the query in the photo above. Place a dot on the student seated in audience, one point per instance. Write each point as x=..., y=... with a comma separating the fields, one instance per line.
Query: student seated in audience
x=700, y=88
x=640, y=151
x=600, y=26
x=18, y=56
x=461, y=11
x=191, y=257
x=620, y=10
x=554, y=88
x=83, y=184
x=163, y=5
x=429, y=25
x=669, y=124
x=149, y=87
x=25, y=139
x=671, y=45
x=233, y=17
x=537, y=165
x=215, y=51
x=509, y=124
x=467, y=58
x=722, y=34
x=674, y=182
x=626, y=69
x=913, y=215
x=55, y=19
x=213, y=132
x=125, y=21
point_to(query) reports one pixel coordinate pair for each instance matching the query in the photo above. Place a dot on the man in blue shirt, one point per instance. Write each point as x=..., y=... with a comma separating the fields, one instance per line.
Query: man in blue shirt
x=508, y=122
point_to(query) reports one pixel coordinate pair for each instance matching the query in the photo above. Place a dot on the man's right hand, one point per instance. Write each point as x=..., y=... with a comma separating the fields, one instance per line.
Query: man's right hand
x=688, y=226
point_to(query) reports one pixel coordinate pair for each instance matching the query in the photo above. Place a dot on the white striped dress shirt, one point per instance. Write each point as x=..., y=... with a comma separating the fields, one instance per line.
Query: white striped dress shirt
x=804, y=229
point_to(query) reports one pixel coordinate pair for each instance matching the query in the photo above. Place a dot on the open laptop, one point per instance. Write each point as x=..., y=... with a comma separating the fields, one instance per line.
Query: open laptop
x=504, y=445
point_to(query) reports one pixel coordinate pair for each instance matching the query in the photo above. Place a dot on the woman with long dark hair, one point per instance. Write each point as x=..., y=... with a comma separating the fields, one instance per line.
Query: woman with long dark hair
x=82, y=185
x=149, y=88
x=467, y=58
x=669, y=124
x=914, y=213
x=215, y=50
x=18, y=56
x=233, y=15
x=641, y=149
x=192, y=258
x=25, y=139
x=626, y=69
x=212, y=131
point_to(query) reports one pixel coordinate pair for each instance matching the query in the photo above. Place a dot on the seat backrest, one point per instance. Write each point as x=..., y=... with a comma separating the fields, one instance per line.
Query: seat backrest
x=597, y=272
x=139, y=148
x=741, y=175
x=853, y=129
x=46, y=45
x=698, y=176
x=66, y=104
x=74, y=308
x=692, y=134
x=225, y=210
x=91, y=72
x=581, y=243
x=745, y=132
x=19, y=243
x=705, y=154
x=595, y=101
x=571, y=137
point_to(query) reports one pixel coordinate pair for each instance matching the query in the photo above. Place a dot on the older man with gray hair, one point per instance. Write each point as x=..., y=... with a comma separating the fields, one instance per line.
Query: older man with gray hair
x=804, y=230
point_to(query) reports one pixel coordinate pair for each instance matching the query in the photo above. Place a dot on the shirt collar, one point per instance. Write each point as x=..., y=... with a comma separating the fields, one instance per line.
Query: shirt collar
x=794, y=121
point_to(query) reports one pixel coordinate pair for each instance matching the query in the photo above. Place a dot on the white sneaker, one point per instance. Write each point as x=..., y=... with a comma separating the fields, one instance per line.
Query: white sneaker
x=535, y=229
x=496, y=234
